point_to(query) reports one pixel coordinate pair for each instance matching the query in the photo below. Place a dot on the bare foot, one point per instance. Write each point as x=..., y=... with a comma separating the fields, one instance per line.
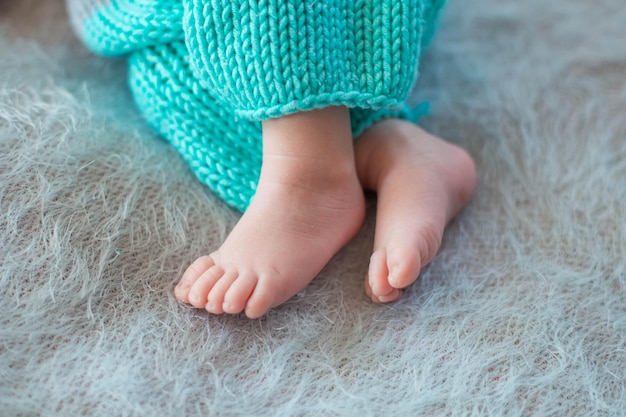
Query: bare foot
x=308, y=204
x=421, y=182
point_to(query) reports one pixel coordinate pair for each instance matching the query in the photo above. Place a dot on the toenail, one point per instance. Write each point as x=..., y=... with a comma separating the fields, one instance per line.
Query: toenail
x=210, y=305
x=393, y=273
x=194, y=298
x=226, y=306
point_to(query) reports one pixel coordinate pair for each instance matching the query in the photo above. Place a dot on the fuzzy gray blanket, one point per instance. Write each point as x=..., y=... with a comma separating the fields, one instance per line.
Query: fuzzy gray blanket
x=523, y=312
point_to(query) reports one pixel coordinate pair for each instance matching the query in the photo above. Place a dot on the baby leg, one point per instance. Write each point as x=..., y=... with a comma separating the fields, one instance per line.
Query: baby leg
x=421, y=183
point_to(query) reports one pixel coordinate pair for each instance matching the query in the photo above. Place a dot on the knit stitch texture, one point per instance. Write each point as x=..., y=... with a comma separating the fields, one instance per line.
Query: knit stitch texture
x=287, y=56
x=205, y=73
x=117, y=27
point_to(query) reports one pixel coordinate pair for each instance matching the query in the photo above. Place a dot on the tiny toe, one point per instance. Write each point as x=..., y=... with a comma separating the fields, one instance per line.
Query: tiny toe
x=404, y=266
x=260, y=301
x=378, y=274
x=215, y=299
x=200, y=289
x=191, y=275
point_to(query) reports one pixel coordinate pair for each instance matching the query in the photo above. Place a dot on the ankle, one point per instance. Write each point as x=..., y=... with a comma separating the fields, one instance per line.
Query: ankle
x=313, y=174
x=316, y=134
x=310, y=148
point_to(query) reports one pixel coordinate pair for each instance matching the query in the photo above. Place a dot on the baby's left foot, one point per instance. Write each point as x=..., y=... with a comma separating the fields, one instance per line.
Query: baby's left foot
x=421, y=182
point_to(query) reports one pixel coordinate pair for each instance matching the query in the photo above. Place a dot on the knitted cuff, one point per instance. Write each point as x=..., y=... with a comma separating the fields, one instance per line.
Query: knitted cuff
x=117, y=27
x=276, y=57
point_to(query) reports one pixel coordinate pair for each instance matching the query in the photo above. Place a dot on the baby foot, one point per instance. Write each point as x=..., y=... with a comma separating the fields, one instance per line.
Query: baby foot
x=309, y=203
x=421, y=182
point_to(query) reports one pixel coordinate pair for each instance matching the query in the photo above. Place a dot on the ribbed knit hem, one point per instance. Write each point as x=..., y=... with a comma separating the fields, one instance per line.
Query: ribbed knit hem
x=352, y=99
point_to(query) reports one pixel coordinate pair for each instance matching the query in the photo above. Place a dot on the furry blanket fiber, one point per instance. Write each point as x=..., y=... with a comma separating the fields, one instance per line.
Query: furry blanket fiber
x=522, y=313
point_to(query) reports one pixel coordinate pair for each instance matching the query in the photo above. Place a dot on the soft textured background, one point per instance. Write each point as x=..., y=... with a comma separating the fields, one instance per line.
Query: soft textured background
x=523, y=312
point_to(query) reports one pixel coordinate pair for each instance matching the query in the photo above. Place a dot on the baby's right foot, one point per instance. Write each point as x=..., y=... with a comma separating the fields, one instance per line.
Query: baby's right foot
x=421, y=182
x=308, y=204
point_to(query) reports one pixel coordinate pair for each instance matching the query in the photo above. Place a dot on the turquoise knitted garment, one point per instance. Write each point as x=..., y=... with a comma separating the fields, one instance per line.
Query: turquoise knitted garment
x=206, y=72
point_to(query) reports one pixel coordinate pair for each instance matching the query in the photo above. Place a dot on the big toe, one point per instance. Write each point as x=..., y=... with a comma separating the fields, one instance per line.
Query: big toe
x=389, y=297
x=239, y=292
x=411, y=252
x=261, y=300
x=404, y=265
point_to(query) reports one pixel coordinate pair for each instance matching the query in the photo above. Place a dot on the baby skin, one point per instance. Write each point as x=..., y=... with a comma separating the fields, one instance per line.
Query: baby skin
x=309, y=203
